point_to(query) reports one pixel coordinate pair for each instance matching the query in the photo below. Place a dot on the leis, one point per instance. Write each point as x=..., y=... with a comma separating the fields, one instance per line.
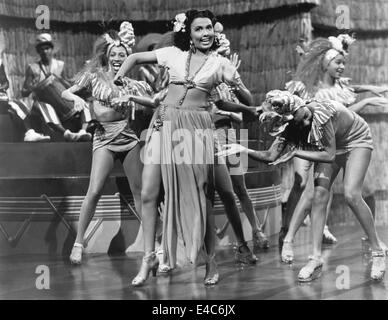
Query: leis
x=126, y=37
x=179, y=23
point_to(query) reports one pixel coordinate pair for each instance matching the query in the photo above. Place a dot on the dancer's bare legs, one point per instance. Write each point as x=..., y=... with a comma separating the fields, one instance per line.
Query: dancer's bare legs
x=151, y=179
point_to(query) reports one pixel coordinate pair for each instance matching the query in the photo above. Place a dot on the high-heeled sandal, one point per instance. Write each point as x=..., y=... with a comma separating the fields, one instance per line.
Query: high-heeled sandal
x=246, y=256
x=260, y=240
x=163, y=268
x=212, y=275
x=378, y=265
x=287, y=252
x=150, y=263
x=328, y=237
x=76, y=253
x=312, y=270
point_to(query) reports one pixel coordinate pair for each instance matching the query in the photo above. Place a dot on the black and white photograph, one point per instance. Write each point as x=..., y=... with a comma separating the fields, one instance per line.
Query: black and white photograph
x=205, y=152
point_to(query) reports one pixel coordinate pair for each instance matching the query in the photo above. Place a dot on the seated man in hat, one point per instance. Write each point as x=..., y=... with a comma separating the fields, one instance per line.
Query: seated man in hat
x=38, y=72
x=13, y=106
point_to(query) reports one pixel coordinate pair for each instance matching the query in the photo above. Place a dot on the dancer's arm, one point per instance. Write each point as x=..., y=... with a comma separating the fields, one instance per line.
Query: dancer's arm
x=325, y=155
x=143, y=100
x=372, y=101
x=359, y=88
x=236, y=107
x=134, y=59
x=234, y=116
x=79, y=103
x=269, y=155
x=242, y=93
x=239, y=89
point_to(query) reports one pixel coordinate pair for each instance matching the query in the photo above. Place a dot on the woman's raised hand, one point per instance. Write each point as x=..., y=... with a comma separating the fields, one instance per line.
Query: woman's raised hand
x=235, y=61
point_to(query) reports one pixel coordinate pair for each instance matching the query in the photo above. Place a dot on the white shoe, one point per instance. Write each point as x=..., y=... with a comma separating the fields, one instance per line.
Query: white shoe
x=378, y=265
x=76, y=253
x=312, y=270
x=32, y=136
x=81, y=135
x=163, y=268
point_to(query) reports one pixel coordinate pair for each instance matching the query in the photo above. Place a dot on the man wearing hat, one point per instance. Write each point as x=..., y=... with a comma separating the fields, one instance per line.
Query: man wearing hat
x=38, y=72
x=13, y=107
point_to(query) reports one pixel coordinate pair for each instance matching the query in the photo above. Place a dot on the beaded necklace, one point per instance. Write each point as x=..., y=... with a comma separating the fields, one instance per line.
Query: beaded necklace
x=188, y=83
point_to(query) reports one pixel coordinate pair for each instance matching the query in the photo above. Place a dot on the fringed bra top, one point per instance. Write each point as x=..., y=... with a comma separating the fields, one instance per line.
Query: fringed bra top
x=340, y=92
x=215, y=69
x=99, y=88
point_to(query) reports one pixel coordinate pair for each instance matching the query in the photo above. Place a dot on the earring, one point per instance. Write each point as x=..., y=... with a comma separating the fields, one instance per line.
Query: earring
x=192, y=47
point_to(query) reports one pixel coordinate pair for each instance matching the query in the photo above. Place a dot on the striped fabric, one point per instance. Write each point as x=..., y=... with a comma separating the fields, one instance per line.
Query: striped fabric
x=321, y=116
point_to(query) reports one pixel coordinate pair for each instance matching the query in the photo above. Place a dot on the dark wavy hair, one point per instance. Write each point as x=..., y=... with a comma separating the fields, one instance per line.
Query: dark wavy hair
x=297, y=135
x=182, y=39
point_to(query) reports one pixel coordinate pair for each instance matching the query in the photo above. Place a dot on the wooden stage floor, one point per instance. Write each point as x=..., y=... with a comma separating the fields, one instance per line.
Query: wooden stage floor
x=108, y=277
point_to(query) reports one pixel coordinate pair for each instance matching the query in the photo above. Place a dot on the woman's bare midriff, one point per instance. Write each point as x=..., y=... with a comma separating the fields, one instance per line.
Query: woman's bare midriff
x=105, y=114
x=194, y=98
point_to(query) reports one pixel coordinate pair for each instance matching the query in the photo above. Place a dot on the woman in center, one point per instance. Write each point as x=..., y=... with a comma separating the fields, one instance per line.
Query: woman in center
x=179, y=149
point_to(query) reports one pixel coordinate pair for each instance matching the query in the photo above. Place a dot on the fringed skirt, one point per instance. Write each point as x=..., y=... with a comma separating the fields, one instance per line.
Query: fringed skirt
x=187, y=167
x=116, y=136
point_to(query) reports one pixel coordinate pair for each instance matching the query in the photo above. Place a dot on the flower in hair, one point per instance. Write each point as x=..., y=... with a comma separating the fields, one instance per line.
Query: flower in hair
x=221, y=40
x=179, y=23
x=127, y=34
x=341, y=43
x=224, y=44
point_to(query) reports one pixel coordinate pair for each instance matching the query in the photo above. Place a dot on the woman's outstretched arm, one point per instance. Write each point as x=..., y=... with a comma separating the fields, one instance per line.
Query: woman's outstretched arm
x=236, y=107
x=134, y=59
x=271, y=154
x=267, y=156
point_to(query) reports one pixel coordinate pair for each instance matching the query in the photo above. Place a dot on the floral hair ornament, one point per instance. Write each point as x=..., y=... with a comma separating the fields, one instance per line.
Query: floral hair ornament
x=126, y=38
x=179, y=23
x=340, y=45
x=222, y=41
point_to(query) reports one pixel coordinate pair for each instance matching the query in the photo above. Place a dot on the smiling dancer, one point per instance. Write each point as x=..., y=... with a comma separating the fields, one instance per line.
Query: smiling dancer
x=194, y=69
x=114, y=138
x=333, y=137
x=319, y=75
